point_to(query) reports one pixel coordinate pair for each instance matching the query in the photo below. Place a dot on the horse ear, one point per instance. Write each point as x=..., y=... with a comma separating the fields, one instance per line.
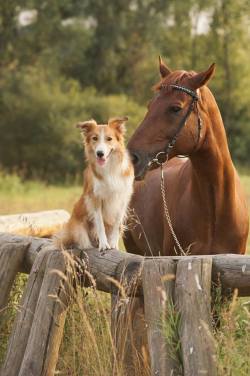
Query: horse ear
x=118, y=123
x=200, y=79
x=164, y=70
x=86, y=126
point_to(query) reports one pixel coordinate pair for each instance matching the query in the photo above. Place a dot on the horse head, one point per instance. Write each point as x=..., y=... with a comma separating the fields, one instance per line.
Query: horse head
x=173, y=122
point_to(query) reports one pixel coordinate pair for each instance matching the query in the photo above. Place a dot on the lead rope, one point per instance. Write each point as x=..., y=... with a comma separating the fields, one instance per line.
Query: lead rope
x=166, y=212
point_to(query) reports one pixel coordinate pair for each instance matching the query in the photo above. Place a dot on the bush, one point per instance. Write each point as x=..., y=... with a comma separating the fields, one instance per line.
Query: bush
x=38, y=111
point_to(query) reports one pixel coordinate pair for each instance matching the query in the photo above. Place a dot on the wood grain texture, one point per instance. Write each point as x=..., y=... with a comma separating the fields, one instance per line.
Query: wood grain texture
x=46, y=332
x=22, y=325
x=192, y=298
x=34, y=344
x=232, y=270
x=158, y=279
x=11, y=260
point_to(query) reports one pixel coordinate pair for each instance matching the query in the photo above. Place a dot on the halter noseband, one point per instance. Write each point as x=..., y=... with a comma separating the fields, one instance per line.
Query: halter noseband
x=162, y=156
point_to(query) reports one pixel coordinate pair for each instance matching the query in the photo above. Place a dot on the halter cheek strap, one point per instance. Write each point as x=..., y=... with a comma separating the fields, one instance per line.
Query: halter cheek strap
x=162, y=156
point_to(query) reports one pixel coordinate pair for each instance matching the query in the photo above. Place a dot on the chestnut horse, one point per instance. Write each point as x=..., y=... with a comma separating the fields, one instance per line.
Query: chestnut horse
x=207, y=208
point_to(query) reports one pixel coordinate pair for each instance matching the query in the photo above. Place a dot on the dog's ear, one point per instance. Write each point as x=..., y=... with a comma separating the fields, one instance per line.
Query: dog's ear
x=118, y=124
x=86, y=126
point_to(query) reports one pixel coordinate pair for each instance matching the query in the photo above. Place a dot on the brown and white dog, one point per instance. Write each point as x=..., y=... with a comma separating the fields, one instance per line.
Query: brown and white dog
x=98, y=216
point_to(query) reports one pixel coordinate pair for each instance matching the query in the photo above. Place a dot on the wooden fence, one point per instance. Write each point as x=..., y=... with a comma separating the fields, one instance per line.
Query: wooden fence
x=148, y=291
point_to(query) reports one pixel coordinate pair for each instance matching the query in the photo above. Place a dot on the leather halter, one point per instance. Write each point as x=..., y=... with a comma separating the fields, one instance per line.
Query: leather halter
x=162, y=156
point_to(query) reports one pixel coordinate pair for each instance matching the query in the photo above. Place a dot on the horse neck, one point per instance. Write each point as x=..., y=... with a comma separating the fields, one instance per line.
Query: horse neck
x=213, y=170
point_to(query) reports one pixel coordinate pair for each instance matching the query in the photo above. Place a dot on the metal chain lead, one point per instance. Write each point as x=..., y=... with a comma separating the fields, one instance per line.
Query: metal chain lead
x=167, y=215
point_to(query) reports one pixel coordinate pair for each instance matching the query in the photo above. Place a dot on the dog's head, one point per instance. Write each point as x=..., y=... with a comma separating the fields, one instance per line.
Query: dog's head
x=103, y=140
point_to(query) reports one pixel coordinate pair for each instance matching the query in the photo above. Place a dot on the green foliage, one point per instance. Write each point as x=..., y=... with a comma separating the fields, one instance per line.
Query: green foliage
x=171, y=325
x=36, y=124
x=82, y=59
x=37, y=117
x=233, y=338
x=10, y=183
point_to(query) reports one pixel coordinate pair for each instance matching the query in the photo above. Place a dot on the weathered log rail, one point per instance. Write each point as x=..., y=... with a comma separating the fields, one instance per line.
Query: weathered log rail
x=231, y=270
x=151, y=282
x=42, y=224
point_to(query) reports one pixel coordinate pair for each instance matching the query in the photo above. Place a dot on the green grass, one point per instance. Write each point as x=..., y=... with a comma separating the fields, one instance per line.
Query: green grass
x=233, y=338
x=23, y=197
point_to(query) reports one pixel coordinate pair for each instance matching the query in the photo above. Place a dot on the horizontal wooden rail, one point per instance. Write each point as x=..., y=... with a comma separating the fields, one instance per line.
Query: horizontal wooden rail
x=150, y=290
x=231, y=270
x=42, y=224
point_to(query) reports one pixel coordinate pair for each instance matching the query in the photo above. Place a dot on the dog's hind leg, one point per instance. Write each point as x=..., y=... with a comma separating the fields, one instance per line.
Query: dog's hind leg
x=81, y=237
x=73, y=234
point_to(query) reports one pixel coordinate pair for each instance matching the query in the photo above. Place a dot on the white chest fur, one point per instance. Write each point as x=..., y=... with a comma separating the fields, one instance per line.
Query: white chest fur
x=114, y=191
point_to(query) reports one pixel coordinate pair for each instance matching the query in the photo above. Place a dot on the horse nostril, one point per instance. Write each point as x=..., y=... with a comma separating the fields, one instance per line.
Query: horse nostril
x=135, y=158
x=100, y=154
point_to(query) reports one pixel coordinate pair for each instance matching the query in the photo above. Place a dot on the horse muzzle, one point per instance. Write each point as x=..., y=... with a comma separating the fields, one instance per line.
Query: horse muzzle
x=141, y=162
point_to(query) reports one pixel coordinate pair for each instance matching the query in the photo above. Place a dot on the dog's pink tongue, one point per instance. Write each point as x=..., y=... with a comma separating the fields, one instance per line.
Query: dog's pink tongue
x=100, y=161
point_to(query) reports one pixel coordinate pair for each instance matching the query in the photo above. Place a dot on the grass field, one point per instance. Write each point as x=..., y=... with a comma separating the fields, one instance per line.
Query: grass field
x=87, y=346
x=19, y=197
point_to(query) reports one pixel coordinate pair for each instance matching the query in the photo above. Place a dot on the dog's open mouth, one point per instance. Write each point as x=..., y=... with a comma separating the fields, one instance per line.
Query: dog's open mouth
x=101, y=161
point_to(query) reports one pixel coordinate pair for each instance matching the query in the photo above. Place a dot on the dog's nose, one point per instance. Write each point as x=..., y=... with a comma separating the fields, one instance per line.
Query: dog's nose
x=100, y=154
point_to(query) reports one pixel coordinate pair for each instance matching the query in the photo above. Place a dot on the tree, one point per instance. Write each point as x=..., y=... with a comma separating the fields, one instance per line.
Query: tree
x=229, y=44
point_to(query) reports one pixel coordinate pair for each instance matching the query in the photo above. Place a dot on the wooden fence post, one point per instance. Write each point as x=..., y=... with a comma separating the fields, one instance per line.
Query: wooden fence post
x=35, y=340
x=42, y=348
x=21, y=329
x=127, y=321
x=158, y=288
x=193, y=300
x=11, y=259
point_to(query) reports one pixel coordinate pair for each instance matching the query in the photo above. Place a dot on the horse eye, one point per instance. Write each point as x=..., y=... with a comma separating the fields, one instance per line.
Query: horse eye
x=109, y=138
x=175, y=109
x=94, y=138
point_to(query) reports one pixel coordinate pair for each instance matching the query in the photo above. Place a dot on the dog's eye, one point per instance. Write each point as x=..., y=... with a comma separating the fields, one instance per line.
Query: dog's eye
x=175, y=109
x=109, y=138
x=94, y=138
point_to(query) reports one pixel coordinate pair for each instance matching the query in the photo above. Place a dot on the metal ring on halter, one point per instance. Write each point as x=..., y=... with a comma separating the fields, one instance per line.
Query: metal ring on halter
x=156, y=158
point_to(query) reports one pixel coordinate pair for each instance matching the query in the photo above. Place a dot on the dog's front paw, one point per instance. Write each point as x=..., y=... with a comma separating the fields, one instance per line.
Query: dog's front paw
x=104, y=246
x=114, y=245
